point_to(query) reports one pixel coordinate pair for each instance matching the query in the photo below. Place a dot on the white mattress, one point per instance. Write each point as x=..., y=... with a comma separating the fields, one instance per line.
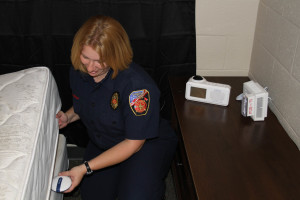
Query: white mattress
x=61, y=164
x=29, y=101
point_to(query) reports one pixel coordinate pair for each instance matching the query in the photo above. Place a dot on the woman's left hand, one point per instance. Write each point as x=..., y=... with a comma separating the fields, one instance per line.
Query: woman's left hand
x=76, y=174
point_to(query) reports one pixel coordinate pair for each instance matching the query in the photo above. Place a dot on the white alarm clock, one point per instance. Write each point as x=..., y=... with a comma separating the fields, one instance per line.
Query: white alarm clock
x=201, y=90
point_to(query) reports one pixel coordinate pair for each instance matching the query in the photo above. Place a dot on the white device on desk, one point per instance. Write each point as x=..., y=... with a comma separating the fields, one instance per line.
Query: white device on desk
x=254, y=101
x=201, y=90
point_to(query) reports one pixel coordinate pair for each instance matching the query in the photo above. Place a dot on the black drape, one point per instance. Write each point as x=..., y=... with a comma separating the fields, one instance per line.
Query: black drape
x=40, y=32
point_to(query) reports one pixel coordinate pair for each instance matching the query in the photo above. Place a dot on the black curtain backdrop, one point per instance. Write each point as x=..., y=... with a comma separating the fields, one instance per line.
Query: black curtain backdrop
x=40, y=33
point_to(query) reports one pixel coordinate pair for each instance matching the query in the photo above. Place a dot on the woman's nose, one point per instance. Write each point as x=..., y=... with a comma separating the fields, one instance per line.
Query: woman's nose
x=90, y=65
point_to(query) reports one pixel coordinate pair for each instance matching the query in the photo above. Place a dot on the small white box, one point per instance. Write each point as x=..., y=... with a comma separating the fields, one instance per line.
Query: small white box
x=257, y=100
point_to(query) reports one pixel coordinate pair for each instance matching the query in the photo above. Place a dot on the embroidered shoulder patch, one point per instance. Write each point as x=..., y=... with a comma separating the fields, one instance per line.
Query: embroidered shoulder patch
x=114, y=102
x=139, y=102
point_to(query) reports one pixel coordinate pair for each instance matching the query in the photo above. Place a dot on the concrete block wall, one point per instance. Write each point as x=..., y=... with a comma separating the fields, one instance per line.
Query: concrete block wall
x=224, y=36
x=275, y=60
x=255, y=38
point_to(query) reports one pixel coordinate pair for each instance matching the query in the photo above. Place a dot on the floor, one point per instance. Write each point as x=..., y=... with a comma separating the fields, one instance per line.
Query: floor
x=75, y=158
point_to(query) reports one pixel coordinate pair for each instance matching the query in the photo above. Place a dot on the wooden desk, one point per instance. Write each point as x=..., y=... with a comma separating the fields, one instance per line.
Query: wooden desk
x=223, y=155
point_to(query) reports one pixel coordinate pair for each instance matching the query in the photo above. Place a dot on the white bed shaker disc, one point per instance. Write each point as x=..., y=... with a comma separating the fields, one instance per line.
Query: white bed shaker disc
x=61, y=183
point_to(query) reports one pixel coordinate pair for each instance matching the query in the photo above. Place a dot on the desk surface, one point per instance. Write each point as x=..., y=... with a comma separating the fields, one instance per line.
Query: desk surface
x=231, y=156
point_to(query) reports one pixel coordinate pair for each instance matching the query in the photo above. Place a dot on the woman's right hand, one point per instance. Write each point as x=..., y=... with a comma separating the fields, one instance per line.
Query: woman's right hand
x=76, y=174
x=63, y=120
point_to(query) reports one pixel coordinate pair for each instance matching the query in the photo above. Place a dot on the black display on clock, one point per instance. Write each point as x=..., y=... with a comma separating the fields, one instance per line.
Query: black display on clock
x=198, y=92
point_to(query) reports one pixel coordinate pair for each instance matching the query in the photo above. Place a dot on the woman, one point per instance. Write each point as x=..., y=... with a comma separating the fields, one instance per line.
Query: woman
x=131, y=147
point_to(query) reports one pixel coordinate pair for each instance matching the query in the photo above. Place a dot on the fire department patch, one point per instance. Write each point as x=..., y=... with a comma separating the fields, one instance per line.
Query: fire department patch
x=114, y=102
x=139, y=102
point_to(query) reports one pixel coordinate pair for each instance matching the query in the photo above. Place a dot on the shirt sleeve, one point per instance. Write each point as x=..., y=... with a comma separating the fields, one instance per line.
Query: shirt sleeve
x=141, y=108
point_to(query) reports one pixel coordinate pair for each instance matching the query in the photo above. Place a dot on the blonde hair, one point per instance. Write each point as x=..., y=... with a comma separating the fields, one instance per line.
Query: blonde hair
x=108, y=38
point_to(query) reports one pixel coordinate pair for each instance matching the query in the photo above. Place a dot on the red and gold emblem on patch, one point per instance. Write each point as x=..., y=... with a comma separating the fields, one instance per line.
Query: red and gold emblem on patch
x=114, y=103
x=139, y=102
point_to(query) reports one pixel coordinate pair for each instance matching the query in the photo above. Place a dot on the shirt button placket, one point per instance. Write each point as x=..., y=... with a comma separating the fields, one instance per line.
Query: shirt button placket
x=93, y=106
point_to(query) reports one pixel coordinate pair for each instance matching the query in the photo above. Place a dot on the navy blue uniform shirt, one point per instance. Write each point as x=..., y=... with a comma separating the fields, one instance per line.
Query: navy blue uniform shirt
x=115, y=109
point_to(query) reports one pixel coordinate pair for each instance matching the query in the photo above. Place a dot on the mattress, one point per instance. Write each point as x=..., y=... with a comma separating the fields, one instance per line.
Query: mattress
x=29, y=101
x=61, y=164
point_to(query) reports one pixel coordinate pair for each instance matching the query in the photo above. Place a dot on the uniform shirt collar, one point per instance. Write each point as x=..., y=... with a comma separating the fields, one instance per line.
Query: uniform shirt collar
x=106, y=82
